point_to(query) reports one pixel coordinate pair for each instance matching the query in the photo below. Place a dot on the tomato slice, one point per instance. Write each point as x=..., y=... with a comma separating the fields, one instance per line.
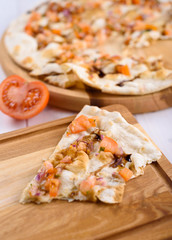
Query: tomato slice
x=22, y=100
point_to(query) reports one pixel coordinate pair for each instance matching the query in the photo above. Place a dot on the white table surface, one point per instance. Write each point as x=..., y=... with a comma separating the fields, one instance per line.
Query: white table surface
x=158, y=124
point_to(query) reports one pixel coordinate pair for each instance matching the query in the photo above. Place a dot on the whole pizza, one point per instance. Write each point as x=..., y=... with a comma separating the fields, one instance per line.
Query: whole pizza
x=63, y=41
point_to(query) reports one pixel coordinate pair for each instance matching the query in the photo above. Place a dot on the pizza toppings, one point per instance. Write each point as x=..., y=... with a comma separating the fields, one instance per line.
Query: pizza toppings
x=48, y=178
x=70, y=21
x=46, y=181
x=78, y=170
x=87, y=185
x=82, y=123
x=72, y=32
x=48, y=167
x=52, y=185
x=123, y=69
x=116, y=162
x=109, y=145
x=126, y=174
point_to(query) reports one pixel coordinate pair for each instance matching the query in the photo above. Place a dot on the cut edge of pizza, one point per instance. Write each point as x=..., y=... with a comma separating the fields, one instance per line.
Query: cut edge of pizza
x=99, y=152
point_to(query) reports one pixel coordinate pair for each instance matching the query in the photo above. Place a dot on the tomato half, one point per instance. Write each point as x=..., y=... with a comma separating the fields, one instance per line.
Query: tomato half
x=22, y=100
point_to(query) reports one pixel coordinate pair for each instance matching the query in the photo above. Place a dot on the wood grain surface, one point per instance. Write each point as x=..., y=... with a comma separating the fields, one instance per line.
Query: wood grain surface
x=145, y=212
x=75, y=98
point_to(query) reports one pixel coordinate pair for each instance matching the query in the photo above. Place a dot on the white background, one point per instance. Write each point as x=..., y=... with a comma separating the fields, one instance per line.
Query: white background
x=158, y=125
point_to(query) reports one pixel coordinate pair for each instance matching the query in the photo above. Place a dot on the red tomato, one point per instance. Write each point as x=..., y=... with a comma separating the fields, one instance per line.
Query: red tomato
x=22, y=100
x=82, y=123
x=110, y=145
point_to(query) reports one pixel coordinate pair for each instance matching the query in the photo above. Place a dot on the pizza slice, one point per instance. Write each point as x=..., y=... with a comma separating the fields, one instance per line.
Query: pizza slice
x=124, y=75
x=99, y=152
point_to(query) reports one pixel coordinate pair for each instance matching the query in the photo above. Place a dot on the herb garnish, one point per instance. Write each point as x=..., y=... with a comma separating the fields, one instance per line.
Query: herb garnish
x=102, y=149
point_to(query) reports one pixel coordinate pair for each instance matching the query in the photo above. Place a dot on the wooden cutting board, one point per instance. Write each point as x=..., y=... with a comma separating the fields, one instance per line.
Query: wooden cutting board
x=75, y=98
x=145, y=212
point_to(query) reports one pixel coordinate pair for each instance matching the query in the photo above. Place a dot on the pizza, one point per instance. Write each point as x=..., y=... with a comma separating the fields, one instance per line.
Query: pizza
x=56, y=34
x=99, y=152
x=124, y=75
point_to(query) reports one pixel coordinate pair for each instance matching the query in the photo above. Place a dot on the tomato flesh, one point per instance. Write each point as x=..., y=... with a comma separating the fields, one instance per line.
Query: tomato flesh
x=32, y=98
x=22, y=100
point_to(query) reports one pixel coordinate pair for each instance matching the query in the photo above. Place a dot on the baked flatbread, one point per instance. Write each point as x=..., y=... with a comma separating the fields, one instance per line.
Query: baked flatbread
x=96, y=156
x=76, y=32
x=127, y=76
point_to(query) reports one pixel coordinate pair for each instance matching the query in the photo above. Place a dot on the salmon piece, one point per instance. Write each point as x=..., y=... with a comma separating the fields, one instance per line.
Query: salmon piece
x=110, y=145
x=126, y=174
x=82, y=123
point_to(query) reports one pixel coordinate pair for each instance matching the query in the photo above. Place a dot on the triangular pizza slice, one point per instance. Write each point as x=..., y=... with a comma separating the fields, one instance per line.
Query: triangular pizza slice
x=99, y=152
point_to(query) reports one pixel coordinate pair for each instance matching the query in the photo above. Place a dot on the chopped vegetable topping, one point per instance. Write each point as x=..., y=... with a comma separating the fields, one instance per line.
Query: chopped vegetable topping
x=82, y=123
x=87, y=185
x=53, y=186
x=150, y=27
x=110, y=145
x=117, y=161
x=126, y=174
x=49, y=167
x=123, y=69
x=102, y=149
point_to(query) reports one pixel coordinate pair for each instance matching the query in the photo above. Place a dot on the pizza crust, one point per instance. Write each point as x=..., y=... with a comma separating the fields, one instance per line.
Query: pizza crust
x=111, y=195
x=149, y=82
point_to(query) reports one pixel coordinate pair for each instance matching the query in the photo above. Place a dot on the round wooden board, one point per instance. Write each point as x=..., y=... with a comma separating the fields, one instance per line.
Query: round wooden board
x=75, y=98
